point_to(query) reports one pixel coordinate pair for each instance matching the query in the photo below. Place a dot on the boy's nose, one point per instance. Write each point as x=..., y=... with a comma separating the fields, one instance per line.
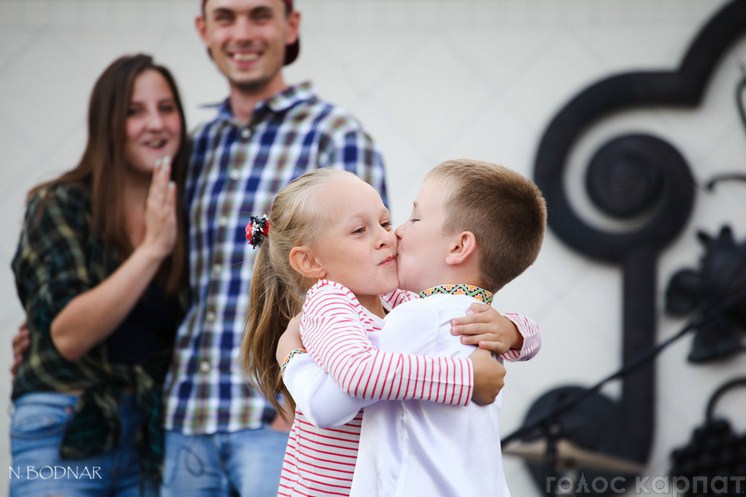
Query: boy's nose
x=388, y=238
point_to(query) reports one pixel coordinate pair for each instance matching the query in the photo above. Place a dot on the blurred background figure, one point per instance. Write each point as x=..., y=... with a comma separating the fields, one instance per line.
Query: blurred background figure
x=100, y=270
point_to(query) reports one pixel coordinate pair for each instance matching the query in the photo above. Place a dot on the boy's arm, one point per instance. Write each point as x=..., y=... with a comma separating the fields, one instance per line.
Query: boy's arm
x=336, y=339
x=314, y=392
x=317, y=396
x=514, y=336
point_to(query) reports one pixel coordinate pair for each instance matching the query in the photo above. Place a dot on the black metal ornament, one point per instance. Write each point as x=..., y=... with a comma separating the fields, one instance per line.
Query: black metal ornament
x=633, y=176
x=721, y=277
x=714, y=454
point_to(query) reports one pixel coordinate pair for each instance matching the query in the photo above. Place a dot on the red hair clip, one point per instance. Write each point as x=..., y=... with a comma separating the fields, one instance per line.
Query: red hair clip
x=257, y=230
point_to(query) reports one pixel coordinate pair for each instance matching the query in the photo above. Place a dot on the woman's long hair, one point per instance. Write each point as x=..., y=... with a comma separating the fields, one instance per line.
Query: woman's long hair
x=277, y=290
x=103, y=166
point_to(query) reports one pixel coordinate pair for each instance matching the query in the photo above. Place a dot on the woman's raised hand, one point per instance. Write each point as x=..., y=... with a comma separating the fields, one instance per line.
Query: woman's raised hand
x=160, y=211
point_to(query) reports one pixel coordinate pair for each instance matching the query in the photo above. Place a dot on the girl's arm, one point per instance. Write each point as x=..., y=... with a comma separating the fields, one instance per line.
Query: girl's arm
x=321, y=400
x=335, y=336
x=514, y=336
x=527, y=344
x=317, y=396
x=314, y=392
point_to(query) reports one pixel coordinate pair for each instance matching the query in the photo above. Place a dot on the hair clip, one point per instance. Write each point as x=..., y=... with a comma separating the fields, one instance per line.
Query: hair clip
x=257, y=230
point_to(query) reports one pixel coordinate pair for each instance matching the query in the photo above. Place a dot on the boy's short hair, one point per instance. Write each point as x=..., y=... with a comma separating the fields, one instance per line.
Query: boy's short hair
x=505, y=211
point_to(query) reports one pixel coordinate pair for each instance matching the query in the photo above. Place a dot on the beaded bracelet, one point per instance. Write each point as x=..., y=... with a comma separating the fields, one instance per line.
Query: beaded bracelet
x=292, y=354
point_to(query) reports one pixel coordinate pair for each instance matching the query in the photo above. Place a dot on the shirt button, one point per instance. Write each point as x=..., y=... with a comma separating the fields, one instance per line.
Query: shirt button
x=204, y=366
x=245, y=133
x=217, y=268
x=210, y=317
x=235, y=173
x=223, y=220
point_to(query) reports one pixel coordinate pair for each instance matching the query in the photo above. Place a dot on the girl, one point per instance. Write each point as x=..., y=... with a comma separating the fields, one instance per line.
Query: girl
x=100, y=268
x=331, y=235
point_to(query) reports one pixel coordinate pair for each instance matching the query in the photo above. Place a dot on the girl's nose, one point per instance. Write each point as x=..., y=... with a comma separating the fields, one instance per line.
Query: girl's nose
x=385, y=237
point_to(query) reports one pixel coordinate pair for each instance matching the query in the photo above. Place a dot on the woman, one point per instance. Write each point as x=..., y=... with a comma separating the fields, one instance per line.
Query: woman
x=101, y=270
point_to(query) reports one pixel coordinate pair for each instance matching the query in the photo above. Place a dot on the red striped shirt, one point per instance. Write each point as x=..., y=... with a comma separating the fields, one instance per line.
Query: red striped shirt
x=334, y=328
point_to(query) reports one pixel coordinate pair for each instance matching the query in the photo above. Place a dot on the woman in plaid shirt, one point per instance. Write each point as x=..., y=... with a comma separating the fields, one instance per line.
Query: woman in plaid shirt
x=100, y=270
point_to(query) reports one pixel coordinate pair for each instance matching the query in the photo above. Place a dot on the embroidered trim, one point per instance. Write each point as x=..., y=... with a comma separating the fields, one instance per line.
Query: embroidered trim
x=460, y=289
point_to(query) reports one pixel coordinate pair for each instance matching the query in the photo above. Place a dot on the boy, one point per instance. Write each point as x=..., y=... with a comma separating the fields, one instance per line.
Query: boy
x=475, y=226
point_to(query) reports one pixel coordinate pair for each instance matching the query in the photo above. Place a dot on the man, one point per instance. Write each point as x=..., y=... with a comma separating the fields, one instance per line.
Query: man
x=222, y=437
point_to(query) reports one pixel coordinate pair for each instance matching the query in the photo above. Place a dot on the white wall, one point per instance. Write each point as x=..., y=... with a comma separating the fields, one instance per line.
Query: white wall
x=432, y=80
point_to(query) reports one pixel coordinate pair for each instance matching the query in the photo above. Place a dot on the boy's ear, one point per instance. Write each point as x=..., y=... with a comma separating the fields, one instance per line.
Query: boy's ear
x=463, y=248
x=304, y=263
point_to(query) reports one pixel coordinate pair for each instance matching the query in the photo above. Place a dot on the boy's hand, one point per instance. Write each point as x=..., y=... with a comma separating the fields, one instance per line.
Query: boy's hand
x=283, y=420
x=290, y=340
x=489, y=377
x=485, y=327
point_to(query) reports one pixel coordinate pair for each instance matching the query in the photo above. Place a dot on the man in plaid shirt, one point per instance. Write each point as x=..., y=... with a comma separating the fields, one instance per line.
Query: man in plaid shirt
x=222, y=437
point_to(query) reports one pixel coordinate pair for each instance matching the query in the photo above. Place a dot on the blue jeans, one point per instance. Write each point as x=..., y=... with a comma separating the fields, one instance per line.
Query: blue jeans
x=245, y=463
x=38, y=423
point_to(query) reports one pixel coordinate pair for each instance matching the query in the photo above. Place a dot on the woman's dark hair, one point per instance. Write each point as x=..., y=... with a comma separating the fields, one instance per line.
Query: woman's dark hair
x=103, y=166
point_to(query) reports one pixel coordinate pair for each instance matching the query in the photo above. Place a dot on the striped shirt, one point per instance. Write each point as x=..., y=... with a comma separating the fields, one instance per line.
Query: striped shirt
x=531, y=338
x=334, y=328
x=235, y=171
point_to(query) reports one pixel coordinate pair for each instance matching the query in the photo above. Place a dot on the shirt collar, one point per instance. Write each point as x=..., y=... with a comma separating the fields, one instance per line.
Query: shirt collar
x=460, y=289
x=288, y=97
x=278, y=102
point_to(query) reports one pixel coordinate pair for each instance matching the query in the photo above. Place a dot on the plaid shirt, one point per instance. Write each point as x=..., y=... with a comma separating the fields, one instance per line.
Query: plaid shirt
x=236, y=170
x=58, y=258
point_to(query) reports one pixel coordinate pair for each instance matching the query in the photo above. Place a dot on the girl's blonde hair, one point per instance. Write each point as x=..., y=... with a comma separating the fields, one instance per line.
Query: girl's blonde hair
x=276, y=293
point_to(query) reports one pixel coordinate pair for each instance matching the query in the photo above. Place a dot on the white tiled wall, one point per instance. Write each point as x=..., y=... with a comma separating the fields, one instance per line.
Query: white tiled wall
x=431, y=80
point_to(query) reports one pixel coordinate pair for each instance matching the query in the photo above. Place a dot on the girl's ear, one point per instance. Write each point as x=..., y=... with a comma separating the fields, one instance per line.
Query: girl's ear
x=463, y=248
x=304, y=263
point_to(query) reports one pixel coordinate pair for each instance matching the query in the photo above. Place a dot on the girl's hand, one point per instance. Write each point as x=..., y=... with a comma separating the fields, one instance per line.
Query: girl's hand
x=489, y=377
x=485, y=327
x=160, y=211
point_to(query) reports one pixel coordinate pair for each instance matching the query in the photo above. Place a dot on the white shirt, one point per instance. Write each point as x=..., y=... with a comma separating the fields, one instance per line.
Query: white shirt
x=336, y=329
x=324, y=404
x=414, y=447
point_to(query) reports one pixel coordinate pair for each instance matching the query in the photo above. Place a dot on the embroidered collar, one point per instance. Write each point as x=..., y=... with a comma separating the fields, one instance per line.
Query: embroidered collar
x=460, y=289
